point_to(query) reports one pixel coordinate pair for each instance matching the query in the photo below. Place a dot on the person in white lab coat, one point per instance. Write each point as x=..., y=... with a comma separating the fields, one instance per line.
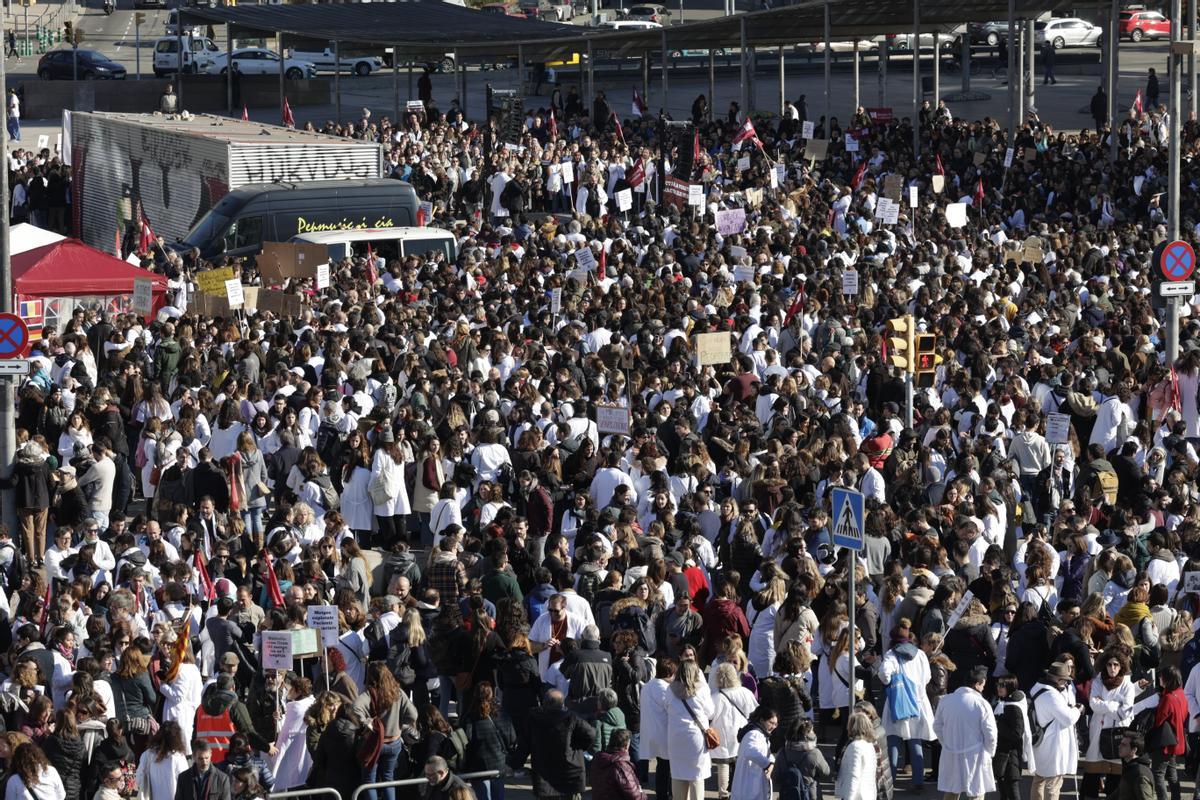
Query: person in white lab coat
x=905, y=669
x=689, y=712
x=292, y=760
x=1057, y=754
x=653, y=735
x=856, y=776
x=1112, y=698
x=752, y=776
x=181, y=695
x=966, y=728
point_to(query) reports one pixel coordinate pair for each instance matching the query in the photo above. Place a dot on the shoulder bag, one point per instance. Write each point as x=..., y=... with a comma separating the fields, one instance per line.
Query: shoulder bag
x=712, y=737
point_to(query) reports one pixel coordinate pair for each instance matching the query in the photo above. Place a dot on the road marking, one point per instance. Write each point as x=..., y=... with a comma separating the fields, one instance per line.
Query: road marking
x=125, y=35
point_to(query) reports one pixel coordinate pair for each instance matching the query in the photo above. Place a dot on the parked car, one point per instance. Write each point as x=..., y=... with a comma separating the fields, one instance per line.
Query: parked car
x=648, y=12
x=1138, y=25
x=260, y=61
x=902, y=42
x=171, y=26
x=989, y=33
x=325, y=61
x=501, y=8
x=1067, y=32
x=149, y=3
x=627, y=25
x=91, y=65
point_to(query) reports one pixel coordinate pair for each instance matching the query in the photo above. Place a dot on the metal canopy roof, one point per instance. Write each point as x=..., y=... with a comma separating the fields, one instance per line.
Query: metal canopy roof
x=433, y=26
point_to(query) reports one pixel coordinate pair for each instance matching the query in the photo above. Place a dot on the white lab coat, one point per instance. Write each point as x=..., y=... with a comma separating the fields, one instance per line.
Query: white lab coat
x=733, y=709
x=160, y=778
x=916, y=669
x=181, y=698
x=292, y=761
x=856, y=777
x=654, y=719
x=762, y=637
x=685, y=739
x=1111, y=708
x=1058, y=751
x=966, y=727
x=393, y=477
x=357, y=508
x=750, y=781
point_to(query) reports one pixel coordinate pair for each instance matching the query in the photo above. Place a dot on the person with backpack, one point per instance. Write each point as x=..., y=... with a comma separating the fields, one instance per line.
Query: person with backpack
x=755, y=764
x=907, y=712
x=1014, y=745
x=800, y=766
x=1053, y=712
x=966, y=727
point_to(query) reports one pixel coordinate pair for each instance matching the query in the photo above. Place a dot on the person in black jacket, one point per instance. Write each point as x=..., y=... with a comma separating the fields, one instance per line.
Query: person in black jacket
x=562, y=739
x=336, y=749
x=1010, y=736
x=31, y=479
x=203, y=781
x=521, y=684
x=1028, y=646
x=490, y=738
x=64, y=748
x=1072, y=641
x=784, y=693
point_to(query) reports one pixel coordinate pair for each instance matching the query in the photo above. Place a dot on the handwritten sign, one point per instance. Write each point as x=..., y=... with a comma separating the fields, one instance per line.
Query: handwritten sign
x=816, y=149
x=212, y=281
x=143, y=296
x=612, y=419
x=851, y=143
x=743, y=163
x=754, y=197
x=806, y=130
x=893, y=184
x=324, y=619
x=414, y=106
x=780, y=173
x=713, y=348
x=744, y=273
x=233, y=293
x=277, y=649
x=323, y=276
x=556, y=300
x=568, y=171
x=624, y=199
x=1058, y=428
x=1008, y=158
x=912, y=197
x=850, y=282
x=695, y=195
x=731, y=221
x=585, y=258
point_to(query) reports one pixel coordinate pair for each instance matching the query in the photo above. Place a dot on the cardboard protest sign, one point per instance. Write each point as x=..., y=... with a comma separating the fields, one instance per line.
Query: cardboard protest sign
x=713, y=348
x=731, y=221
x=816, y=149
x=280, y=261
x=612, y=419
x=212, y=281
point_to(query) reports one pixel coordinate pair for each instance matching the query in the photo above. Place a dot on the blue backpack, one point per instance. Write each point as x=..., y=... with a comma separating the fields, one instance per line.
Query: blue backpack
x=902, y=698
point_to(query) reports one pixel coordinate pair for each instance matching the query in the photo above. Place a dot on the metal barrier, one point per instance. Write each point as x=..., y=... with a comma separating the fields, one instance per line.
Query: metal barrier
x=304, y=793
x=366, y=787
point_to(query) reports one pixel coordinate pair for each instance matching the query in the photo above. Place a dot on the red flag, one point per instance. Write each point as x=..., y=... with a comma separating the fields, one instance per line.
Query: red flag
x=45, y=609
x=210, y=591
x=1139, y=105
x=747, y=132
x=117, y=243
x=553, y=125
x=288, y=120
x=639, y=107
x=637, y=174
x=245, y=114
x=697, y=152
x=620, y=130
x=372, y=273
x=1176, y=400
x=146, y=237
x=602, y=266
x=979, y=193
x=937, y=169
x=274, y=593
x=857, y=180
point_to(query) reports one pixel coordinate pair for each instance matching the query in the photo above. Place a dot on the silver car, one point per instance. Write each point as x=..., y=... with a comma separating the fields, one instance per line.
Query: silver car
x=1067, y=32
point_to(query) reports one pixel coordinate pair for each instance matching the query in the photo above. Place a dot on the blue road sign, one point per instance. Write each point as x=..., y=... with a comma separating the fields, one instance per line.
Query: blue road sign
x=848, y=518
x=1177, y=261
x=14, y=336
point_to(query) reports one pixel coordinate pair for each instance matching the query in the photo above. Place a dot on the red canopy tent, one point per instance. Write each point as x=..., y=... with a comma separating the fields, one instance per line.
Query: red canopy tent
x=71, y=269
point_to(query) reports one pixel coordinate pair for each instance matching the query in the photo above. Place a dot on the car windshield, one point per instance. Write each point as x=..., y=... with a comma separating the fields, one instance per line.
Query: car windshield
x=210, y=226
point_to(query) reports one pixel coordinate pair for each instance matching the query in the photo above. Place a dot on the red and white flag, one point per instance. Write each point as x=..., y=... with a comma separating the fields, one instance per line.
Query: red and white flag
x=639, y=105
x=1139, y=104
x=45, y=618
x=245, y=114
x=747, y=133
x=553, y=125
x=274, y=593
x=372, y=272
x=697, y=152
x=620, y=131
x=979, y=193
x=288, y=120
x=206, y=584
x=637, y=174
x=937, y=165
x=146, y=237
x=859, y=175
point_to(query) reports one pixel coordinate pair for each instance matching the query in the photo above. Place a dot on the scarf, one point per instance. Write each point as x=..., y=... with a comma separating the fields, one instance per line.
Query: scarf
x=1131, y=614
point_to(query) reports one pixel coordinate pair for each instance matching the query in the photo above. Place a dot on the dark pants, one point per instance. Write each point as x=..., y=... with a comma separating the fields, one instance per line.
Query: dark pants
x=662, y=779
x=1165, y=775
x=391, y=530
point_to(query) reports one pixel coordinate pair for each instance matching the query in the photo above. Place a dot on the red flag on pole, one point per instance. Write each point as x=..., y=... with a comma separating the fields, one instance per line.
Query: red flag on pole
x=1176, y=400
x=554, y=126
x=146, y=235
x=602, y=266
x=372, y=273
x=620, y=131
x=1139, y=104
x=637, y=174
x=639, y=106
x=210, y=591
x=697, y=151
x=245, y=114
x=937, y=168
x=274, y=593
x=747, y=132
x=859, y=175
x=288, y=120
x=46, y=609
x=979, y=193
x=117, y=243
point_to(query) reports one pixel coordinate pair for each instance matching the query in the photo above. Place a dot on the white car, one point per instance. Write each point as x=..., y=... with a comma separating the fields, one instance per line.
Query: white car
x=260, y=61
x=198, y=52
x=325, y=61
x=1067, y=32
x=902, y=42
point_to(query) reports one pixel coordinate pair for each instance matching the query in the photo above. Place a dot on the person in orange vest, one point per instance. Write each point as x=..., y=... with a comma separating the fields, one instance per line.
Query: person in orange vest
x=222, y=714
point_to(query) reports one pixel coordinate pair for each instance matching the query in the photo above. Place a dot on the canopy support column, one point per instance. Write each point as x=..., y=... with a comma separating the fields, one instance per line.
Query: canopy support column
x=337, y=81
x=745, y=98
x=915, y=47
x=856, y=66
x=828, y=64
x=1114, y=77
x=712, y=82
x=937, y=68
x=228, y=69
x=782, y=83
x=665, y=61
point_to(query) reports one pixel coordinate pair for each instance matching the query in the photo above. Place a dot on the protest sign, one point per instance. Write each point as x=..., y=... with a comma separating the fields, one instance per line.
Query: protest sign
x=612, y=419
x=731, y=221
x=277, y=649
x=713, y=348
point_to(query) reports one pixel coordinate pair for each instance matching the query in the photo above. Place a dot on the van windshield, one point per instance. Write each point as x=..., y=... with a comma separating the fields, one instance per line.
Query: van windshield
x=419, y=247
x=210, y=227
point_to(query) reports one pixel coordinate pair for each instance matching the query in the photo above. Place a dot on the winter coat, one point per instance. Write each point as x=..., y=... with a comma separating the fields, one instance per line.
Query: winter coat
x=628, y=674
x=1014, y=742
x=67, y=756
x=1137, y=780
x=336, y=751
x=1172, y=710
x=1028, y=653
x=31, y=479
x=721, y=617
x=908, y=660
x=1058, y=752
x=614, y=777
x=750, y=781
x=590, y=671
x=970, y=644
x=805, y=761
x=557, y=750
x=134, y=697
x=787, y=697
x=690, y=760
x=489, y=741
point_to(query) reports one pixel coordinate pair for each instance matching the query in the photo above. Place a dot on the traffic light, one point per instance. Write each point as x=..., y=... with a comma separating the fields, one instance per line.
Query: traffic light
x=927, y=360
x=139, y=17
x=68, y=31
x=898, y=343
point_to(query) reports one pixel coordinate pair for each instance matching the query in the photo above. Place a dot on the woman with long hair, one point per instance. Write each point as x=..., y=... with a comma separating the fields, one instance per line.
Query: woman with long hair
x=1111, y=698
x=431, y=473
x=856, y=777
x=521, y=684
x=181, y=688
x=689, y=713
x=31, y=775
x=134, y=694
x=735, y=707
x=386, y=708
x=165, y=758
x=256, y=491
x=357, y=507
x=415, y=654
x=292, y=760
x=761, y=611
x=490, y=738
x=65, y=750
x=355, y=575
x=484, y=650
x=318, y=717
x=387, y=481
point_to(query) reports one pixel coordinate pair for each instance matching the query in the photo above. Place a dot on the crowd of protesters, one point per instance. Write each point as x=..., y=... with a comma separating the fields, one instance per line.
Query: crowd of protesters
x=523, y=595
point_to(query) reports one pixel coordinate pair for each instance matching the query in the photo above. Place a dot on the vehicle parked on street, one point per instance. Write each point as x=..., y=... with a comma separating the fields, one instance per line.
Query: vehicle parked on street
x=325, y=61
x=260, y=61
x=149, y=3
x=171, y=26
x=989, y=33
x=1067, y=32
x=649, y=12
x=1139, y=25
x=90, y=65
x=627, y=25
x=902, y=42
x=198, y=53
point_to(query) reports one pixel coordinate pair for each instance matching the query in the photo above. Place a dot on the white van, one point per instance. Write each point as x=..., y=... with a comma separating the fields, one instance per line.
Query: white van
x=386, y=243
x=171, y=26
x=198, y=53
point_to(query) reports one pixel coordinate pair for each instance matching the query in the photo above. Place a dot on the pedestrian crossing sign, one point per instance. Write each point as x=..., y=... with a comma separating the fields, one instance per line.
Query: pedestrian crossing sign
x=848, y=518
